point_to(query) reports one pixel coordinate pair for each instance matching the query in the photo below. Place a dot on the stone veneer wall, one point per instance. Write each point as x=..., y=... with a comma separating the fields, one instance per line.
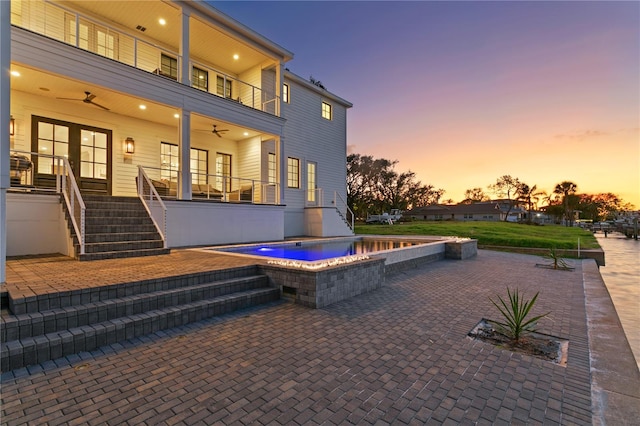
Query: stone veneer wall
x=323, y=287
x=394, y=268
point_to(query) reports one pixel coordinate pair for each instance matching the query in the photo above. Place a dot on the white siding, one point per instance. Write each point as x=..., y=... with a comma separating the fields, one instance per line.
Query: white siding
x=309, y=137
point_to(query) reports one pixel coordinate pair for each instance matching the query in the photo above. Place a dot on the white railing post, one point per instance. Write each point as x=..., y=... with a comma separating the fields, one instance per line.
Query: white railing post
x=159, y=222
x=73, y=199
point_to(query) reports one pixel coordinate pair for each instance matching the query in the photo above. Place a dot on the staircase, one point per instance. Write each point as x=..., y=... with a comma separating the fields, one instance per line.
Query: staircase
x=117, y=227
x=50, y=326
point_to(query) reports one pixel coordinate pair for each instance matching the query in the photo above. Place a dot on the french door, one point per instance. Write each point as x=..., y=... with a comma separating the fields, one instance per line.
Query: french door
x=87, y=148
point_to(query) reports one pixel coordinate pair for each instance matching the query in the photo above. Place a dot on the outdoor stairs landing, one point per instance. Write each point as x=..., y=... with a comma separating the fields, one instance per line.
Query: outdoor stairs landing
x=51, y=326
x=117, y=227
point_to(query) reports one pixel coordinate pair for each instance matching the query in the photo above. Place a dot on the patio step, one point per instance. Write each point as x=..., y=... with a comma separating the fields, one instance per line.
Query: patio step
x=51, y=326
x=117, y=227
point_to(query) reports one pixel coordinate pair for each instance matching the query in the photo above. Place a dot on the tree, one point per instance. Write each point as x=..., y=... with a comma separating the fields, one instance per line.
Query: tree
x=506, y=187
x=475, y=195
x=374, y=186
x=530, y=196
x=565, y=190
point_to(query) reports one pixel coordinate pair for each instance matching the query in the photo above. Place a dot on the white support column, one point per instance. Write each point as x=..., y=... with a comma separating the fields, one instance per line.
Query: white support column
x=185, y=69
x=283, y=167
x=184, y=148
x=5, y=114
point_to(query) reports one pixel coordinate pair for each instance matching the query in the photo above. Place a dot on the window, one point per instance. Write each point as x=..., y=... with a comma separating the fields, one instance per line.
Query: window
x=93, y=154
x=223, y=171
x=200, y=79
x=293, y=172
x=271, y=168
x=53, y=139
x=92, y=37
x=170, y=163
x=326, y=111
x=285, y=93
x=199, y=161
x=223, y=87
x=468, y=216
x=168, y=66
x=311, y=182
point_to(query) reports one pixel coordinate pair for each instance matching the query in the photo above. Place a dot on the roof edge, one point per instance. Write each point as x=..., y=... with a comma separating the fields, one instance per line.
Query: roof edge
x=323, y=92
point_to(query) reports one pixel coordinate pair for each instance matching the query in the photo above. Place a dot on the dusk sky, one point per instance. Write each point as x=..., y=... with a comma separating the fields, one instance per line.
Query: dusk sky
x=462, y=93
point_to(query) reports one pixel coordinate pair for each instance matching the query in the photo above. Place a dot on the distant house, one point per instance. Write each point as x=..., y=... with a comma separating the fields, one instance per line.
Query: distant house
x=492, y=211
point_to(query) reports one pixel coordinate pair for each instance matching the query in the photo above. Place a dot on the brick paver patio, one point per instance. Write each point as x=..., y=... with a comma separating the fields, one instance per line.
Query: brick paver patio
x=398, y=355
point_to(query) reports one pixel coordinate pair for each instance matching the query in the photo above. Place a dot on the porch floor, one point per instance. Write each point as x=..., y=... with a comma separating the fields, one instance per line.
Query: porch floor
x=37, y=275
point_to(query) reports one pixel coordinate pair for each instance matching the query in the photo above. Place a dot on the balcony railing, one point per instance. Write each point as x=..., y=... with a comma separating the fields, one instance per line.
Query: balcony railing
x=70, y=27
x=215, y=187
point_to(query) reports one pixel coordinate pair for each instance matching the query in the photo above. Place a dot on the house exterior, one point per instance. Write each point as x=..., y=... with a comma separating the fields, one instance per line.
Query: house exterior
x=171, y=99
x=491, y=211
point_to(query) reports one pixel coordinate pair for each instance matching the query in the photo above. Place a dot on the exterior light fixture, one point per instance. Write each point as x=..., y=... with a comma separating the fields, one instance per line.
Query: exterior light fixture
x=12, y=126
x=129, y=145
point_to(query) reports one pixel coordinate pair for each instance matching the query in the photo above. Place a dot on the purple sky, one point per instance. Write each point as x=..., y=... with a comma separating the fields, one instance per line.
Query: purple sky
x=464, y=92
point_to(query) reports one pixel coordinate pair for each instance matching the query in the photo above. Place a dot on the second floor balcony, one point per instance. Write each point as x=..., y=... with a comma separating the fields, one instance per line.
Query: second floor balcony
x=150, y=36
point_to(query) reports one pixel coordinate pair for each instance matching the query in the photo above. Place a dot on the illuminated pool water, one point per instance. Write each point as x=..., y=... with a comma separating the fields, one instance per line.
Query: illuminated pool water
x=314, y=250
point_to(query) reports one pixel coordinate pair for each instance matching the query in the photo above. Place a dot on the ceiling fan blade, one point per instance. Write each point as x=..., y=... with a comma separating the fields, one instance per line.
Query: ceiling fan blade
x=90, y=96
x=99, y=106
x=223, y=130
x=70, y=99
x=217, y=134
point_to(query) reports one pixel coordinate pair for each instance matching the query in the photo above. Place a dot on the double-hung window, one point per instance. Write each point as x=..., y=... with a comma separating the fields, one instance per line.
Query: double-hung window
x=169, y=66
x=285, y=93
x=200, y=79
x=326, y=111
x=293, y=172
x=223, y=87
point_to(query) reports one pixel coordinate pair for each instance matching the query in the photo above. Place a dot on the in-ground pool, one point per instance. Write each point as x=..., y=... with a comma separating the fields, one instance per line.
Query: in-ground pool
x=312, y=251
x=319, y=272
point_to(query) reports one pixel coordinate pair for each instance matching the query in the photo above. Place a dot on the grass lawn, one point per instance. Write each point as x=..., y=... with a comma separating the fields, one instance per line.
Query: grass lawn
x=493, y=233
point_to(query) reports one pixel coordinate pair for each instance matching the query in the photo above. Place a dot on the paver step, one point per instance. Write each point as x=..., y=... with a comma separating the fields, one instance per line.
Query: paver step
x=119, y=237
x=114, y=213
x=17, y=327
x=33, y=350
x=43, y=302
x=118, y=228
x=117, y=246
x=138, y=220
x=123, y=254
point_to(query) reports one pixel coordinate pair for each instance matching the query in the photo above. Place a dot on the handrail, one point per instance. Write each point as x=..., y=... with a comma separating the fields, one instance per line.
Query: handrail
x=151, y=201
x=350, y=217
x=73, y=199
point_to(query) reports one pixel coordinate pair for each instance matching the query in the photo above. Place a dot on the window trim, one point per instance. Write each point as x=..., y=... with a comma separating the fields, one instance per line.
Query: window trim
x=195, y=78
x=327, y=110
x=293, y=173
x=286, y=90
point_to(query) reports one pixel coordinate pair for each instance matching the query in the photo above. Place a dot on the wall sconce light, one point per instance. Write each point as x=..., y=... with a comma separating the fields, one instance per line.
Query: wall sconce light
x=129, y=145
x=12, y=126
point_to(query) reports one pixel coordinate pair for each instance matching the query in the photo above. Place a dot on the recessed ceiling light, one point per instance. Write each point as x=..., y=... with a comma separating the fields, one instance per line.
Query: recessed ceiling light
x=143, y=107
x=176, y=115
x=246, y=133
x=236, y=57
x=162, y=21
x=15, y=73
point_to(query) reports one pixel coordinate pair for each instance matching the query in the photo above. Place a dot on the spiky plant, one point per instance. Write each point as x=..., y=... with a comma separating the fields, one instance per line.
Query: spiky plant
x=556, y=260
x=515, y=313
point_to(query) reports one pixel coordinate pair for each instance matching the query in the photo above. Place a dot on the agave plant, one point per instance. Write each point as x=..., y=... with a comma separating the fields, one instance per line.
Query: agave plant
x=515, y=313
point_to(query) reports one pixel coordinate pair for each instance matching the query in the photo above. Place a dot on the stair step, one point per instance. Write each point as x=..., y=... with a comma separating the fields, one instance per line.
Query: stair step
x=118, y=228
x=33, y=350
x=115, y=213
x=119, y=237
x=17, y=327
x=95, y=221
x=90, y=248
x=123, y=254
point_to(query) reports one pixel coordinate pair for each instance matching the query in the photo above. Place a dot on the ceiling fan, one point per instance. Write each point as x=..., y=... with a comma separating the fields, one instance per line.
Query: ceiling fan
x=87, y=100
x=217, y=132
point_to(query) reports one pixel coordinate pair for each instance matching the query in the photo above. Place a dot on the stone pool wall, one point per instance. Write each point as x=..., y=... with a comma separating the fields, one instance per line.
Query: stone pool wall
x=323, y=287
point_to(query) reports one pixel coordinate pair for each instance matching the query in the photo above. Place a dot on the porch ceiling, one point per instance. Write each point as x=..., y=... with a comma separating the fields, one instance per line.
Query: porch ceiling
x=52, y=87
x=207, y=44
